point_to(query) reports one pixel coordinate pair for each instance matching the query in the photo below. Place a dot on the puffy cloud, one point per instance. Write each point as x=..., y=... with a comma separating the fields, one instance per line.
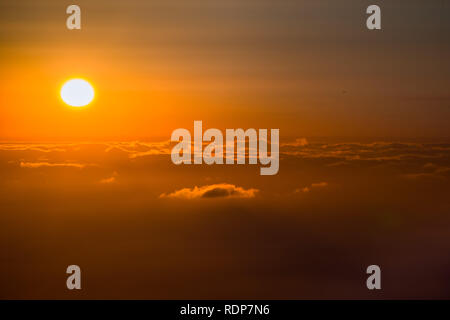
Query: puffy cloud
x=222, y=190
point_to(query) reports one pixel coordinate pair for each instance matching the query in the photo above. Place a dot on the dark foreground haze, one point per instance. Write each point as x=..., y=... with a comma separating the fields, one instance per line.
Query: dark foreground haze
x=139, y=228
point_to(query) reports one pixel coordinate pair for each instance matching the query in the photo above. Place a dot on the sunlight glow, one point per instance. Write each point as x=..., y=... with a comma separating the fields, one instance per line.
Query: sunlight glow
x=77, y=93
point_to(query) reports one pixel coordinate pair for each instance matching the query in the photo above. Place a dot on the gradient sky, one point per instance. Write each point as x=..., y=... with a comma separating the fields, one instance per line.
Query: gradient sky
x=364, y=149
x=310, y=68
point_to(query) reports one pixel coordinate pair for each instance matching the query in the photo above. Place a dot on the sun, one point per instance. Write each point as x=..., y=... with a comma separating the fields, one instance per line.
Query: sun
x=77, y=93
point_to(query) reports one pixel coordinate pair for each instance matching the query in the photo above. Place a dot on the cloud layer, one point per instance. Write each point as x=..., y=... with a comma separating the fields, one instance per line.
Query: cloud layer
x=49, y=164
x=222, y=190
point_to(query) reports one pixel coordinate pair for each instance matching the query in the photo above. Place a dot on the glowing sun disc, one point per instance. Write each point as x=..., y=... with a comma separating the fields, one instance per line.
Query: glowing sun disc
x=77, y=93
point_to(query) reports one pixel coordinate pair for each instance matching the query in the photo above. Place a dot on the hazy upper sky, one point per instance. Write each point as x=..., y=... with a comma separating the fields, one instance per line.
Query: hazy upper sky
x=310, y=68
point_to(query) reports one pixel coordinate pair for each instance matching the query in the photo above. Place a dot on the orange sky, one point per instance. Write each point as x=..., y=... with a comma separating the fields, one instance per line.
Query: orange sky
x=310, y=69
